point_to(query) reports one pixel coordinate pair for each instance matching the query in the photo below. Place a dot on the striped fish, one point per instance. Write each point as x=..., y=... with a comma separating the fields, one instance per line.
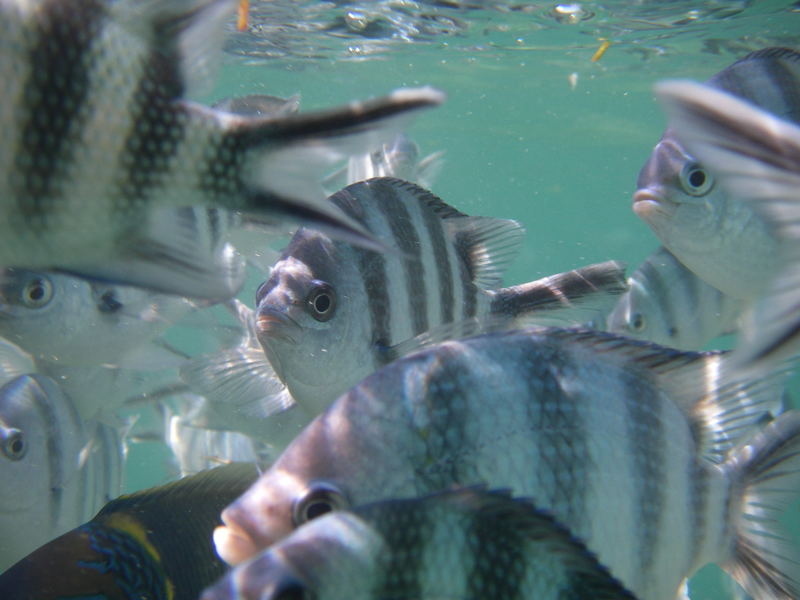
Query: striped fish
x=331, y=313
x=154, y=544
x=99, y=139
x=632, y=446
x=466, y=543
x=756, y=155
x=57, y=469
x=711, y=231
x=669, y=305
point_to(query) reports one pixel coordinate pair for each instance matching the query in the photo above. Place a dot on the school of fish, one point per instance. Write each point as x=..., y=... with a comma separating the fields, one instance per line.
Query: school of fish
x=387, y=417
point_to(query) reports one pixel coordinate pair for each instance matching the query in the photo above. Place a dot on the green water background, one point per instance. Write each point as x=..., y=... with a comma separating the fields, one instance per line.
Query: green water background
x=520, y=141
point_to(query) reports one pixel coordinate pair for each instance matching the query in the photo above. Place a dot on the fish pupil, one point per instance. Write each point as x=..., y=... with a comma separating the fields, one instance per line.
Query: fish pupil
x=321, y=302
x=318, y=509
x=697, y=178
x=15, y=447
x=37, y=293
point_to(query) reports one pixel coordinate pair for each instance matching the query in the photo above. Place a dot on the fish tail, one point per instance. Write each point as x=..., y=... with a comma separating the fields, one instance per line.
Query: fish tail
x=577, y=296
x=766, y=479
x=287, y=157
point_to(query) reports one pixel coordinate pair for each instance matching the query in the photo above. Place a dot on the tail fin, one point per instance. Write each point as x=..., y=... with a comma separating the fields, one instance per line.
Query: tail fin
x=290, y=154
x=576, y=296
x=766, y=472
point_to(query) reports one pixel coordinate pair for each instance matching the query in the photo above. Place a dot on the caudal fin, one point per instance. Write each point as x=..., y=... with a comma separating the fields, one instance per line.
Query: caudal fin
x=766, y=471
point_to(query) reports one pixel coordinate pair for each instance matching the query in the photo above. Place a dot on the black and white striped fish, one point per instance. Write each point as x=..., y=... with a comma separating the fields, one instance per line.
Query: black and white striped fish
x=331, y=313
x=756, y=156
x=669, y=305
x=57, y=469
x=632, y=446
x=707, y=226
x=465, y=543
x=99, y=139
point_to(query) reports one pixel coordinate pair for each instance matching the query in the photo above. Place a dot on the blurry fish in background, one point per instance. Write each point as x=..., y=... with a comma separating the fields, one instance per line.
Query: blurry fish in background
x=331, y=313
x=705, y=225
x=756, y=156
x=154, y=544
x=100, y=140
x=399, y=158
x=669, y=305
x=57, y=469
x=455, y=544
x=589, y=425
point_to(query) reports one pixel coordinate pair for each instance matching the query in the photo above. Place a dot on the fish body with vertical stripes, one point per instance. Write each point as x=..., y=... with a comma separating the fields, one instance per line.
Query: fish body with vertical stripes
x=101, y=141
x=465, y=543
x=57, y=469
x=669, y=305
x=331, y=312
x=704, y=224
x=643, y=452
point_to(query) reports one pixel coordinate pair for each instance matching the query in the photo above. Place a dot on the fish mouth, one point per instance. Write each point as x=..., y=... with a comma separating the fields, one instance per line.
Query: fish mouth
x=649, y=205
x=272, y=324
x=234, y=539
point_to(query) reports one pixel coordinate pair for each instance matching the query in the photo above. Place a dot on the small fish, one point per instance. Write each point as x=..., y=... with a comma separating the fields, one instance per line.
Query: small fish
x=634, y=447
x=669, y=305
x=715, y=234
x=58, y=318
x=153, y=544
x=331, y=313
x=62, y=468
x=100, y=139
x=756, y=156
x=465, y=543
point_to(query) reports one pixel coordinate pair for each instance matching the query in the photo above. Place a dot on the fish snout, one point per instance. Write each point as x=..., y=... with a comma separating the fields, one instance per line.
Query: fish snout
x=273, y=324
x=240, y=538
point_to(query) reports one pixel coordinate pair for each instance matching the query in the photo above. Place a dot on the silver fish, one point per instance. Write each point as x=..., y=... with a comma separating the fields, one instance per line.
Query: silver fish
x=466, y=543
x=331, y=313
x=626, y=443
x=756, y=156
x=100, y=138
x=710, y=231
x=669, y=305
x=63, y=468
x=58, y=318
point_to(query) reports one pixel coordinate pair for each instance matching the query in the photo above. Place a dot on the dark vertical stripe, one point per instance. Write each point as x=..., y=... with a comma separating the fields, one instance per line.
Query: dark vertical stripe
x=469, y=289
x=55, y=98
x=647, y=452
x=500, y=557
x=372, y=269
x=405, y=235
x=404, y=529
x=435, y=229
x=214, y=226
x=697, y=476
x=158, y=123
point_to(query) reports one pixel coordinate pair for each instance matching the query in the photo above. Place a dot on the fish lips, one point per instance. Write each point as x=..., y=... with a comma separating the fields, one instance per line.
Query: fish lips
x=652, y=206
x=273, y=324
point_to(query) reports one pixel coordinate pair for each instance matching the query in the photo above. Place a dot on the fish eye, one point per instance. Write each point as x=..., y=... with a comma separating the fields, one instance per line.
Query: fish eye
x=13, y=444
x=637, y=322
x=290, y=590
x=320, y=498
x=321, y=301
x=37, y=292
x=262, y=291
x=695, y=180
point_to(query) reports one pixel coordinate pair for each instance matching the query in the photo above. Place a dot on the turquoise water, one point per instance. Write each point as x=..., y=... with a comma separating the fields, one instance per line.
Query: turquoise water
x=532, y=129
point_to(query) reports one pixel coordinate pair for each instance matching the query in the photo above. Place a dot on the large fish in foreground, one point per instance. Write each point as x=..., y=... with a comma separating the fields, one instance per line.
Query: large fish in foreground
x=466, y=543
x=631, y=446
x=756, y=156
x=56, y=469
x=705, y=225
x=331, y=312
x=153, y=544
x=100, y=142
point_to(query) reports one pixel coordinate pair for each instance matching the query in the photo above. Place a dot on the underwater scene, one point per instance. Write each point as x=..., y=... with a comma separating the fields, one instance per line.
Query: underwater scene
x=399, y=299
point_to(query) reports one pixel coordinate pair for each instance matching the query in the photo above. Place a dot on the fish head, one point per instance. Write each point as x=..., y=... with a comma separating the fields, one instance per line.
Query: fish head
x=25, y=436
x=678, y=198
x=42, y=311
x=638, y=315
x=310, y=317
